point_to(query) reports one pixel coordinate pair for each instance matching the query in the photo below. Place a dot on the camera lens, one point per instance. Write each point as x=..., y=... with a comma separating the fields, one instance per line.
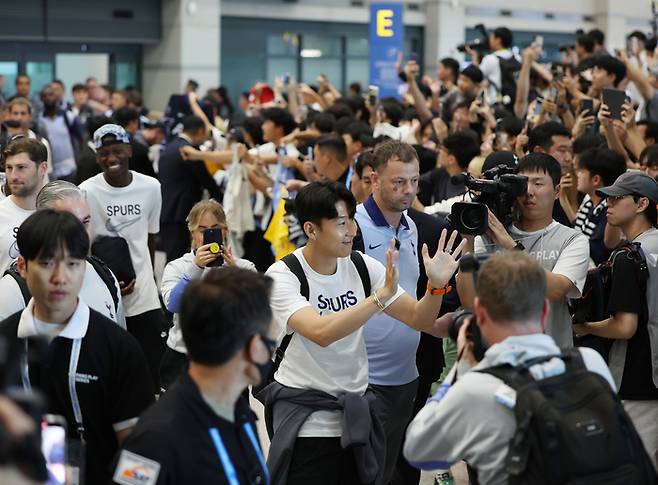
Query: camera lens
x=472, y=219
x=459, y=319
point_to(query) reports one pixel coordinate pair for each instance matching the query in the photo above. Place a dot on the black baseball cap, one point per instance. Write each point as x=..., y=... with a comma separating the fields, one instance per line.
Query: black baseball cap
x=632, y=182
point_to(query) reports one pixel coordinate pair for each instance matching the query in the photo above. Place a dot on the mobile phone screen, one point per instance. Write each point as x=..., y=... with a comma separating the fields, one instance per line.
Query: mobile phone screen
x=53, y=447
x=614, y=99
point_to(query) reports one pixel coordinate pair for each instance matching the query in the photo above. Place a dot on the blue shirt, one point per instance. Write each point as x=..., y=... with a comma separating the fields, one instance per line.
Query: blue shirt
x=391, y=344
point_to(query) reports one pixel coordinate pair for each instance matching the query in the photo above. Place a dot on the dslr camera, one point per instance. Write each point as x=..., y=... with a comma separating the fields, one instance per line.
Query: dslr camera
x=497, y=190
x=480, y=45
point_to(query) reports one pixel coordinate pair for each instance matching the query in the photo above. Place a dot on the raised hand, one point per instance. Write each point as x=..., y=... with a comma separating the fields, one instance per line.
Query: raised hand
x=444, y=263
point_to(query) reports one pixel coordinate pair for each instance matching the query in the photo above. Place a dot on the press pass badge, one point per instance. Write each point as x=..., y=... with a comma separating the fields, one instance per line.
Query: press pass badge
x=134, y=469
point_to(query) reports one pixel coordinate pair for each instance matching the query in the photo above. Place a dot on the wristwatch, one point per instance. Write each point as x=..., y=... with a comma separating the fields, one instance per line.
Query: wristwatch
x=439, y=291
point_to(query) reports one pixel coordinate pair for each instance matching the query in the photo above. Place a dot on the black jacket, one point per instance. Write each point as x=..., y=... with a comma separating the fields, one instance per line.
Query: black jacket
x=182, y=183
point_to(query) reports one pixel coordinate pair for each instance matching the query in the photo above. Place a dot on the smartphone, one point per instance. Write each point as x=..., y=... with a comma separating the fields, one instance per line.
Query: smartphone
x=214, y=238
x=586, y=104
x=286, y=79
x=53, y=447
x=481, y=96
x=539, y=40
x=538, y=104
x=373, y=94
x=614, y=99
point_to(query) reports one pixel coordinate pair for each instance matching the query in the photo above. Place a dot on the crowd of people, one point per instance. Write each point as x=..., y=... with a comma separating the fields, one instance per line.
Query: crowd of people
x=388, y=277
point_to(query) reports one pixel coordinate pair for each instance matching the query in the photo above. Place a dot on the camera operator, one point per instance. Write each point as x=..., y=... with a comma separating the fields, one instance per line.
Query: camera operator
x=473, y=419
x=633, y=325
x=500, y=44
x=561, y=250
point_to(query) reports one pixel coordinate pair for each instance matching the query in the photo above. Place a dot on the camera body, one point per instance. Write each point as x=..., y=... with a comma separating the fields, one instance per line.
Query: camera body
x=472, y=332
x=480, y=45
x=497, y=191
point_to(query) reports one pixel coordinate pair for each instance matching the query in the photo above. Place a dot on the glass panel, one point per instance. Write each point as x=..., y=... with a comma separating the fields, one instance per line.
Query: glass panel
x=357, y=46
x=311, y=68
x=126, y=74
x=285, y=44
x=41, y=73
x=357, y=70
x=278, y=66
x=9, y=70
x=320, y=46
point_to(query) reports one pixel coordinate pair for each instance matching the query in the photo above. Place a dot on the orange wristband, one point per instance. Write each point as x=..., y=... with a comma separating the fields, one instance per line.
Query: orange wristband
x=438, y=291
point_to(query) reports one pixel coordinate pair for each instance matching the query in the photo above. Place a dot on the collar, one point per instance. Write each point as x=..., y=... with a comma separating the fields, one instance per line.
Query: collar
x=185, y=137
x=376, y=215
x=76, y=328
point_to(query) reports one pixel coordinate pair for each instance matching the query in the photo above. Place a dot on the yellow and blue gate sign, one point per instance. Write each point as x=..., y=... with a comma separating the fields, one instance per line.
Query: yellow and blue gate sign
x=386, y=43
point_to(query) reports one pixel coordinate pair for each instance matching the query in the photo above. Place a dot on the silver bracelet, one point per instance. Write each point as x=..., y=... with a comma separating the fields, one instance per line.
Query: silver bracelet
x=378, y=302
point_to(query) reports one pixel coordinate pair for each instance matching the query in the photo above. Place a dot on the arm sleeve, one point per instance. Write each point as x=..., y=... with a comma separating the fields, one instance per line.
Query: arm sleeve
x=625, y=291
x=121, y=314
x=11, y=298
x=174, y=282
x=286, y=297
x=573, y=263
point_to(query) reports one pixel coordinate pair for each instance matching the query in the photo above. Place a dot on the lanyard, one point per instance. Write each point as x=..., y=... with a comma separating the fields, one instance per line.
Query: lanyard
x=348, y=179
x=73, y=366
x=227, y=464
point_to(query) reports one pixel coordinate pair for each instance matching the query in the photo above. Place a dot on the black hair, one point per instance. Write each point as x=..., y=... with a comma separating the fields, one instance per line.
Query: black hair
x=280, y=117
x=587, y=141
x=638, y=34
x=254, y=126
x=360, y=131
x=586, y=42
x=650, y=153
x=317, y=201
x=222, y=311
x=58, y=81
x=597, y=35
x=365, y=159
x=95, y=122
x=650, y=44
x=604, y=162
x=463, y=146
x=339, y=110
x=453, y=65
x=356, y=86
x=409, y=114
x=651, y=212
x=78, y=87
x=425, y=90
x=342, y=124
x=47, y=231
x=124, y=116
x=324, y=122
x=335, y=145
x=505, y=36
x=541, y=162
x=426, y=158
x=542, y=135
x=613, y=66
x=192, y=124
x=393, y=111
x=34, y=149
x=511, y=125
x=358, y=105
x=473, y=73
x=651, y=131
x=389, y=149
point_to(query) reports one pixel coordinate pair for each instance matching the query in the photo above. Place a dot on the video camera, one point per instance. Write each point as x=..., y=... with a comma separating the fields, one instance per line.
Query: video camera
x=480, y=45
x=497, y=191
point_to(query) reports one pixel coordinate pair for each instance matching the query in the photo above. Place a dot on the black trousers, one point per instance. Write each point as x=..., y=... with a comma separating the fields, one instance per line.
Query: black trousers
x=174, y=239
x=149, y=330
x=322, y=461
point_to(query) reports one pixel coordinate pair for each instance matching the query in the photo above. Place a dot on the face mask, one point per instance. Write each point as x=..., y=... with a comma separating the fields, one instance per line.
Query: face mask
x=264, y=369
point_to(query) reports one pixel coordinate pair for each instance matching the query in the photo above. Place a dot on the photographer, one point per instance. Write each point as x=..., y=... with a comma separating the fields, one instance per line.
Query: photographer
x=473, y=419
x=561, y=250
x=500, y=44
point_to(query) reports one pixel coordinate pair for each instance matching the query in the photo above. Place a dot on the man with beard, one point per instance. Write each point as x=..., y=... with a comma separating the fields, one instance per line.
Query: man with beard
x=391, y=345
x=25, y=167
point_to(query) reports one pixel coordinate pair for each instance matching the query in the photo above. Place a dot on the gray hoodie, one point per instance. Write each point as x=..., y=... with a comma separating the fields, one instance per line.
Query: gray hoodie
x=473, y=419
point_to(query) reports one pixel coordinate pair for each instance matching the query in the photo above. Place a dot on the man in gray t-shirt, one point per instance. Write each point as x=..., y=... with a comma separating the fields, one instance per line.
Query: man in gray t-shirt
x=562, y=251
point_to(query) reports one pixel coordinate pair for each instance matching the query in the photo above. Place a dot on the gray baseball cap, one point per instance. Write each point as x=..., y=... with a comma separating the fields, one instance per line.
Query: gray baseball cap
x=632, y=182
x=102, y=136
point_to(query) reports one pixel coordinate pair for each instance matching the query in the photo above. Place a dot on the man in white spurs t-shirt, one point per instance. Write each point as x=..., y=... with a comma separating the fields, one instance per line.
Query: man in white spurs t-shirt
x=127, y=204
x=25, y=167
x=325, y=364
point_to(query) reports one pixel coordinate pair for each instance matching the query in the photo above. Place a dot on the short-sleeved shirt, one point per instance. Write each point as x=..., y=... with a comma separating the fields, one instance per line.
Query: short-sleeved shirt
x=591, y=221
x=339, y=367
x=561, y=250
x=172, y=442
x=112, y=379
x=11, y=217
x=131, y=212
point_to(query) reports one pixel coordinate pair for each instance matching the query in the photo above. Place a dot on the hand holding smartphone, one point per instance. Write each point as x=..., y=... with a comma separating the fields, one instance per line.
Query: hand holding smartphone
x=214, y=238
x=614, y=99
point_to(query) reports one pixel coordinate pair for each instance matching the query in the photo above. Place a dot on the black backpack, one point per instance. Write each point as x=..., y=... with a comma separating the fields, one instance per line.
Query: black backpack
x=99, y=266
x=509, y=69
x=571, y=429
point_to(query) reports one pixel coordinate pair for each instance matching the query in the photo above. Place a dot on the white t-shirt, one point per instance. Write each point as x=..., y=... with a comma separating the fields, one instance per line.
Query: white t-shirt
x=132, y=212
x=339, y=367
x=11, y=217
x=94, y=292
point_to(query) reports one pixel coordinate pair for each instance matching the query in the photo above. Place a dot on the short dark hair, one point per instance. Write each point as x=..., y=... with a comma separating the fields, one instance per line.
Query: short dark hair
x=22, y=75
x=280, y=117
x=389, y=149
x=356, y=86
x=651, y=212
x=463, y=146
x=586, y=42
x=453, y=65
x=58, y=81
x=192, y=124
x=650, y=153
x=47, y=231
x=365, y=159
x=254, y=126
x=613, y=66
x=597, y=35
x=33, y=148
x=318, y=201
x=587, y=141
x=473, y=73
x=393, y=111
x=541, y=162
x=324, y=122
x=333, y=144
x=511, y=125
x=651, y=131
x=542, y=135
x=604, y=162
x=78, y=87
x=221, y=311
x=124, y=116
x=360, y=131
x=638, y=34
x=505, y=36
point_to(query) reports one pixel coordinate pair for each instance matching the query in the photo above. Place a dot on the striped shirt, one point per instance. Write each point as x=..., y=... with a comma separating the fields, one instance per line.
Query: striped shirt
x=588, y=216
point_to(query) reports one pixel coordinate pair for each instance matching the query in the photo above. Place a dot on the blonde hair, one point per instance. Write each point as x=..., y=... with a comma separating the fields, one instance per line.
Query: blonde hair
x=200, y=208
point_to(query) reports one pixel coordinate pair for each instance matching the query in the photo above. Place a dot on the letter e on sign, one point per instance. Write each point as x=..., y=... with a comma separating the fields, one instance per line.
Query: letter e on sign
x=385, y=23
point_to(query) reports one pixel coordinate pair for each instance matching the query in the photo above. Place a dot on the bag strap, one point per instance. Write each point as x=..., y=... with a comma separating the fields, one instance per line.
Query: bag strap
x=105, y=273
x=362, y=269
x=20, y=281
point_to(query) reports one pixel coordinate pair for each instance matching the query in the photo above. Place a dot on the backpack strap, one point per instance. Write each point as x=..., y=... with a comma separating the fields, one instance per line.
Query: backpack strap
x=295, y=267
x=106, y=275
x=361, y=267
x=20, y=281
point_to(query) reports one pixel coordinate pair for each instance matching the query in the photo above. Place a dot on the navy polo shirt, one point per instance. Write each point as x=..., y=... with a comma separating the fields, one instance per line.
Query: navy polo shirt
x=391, y=344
